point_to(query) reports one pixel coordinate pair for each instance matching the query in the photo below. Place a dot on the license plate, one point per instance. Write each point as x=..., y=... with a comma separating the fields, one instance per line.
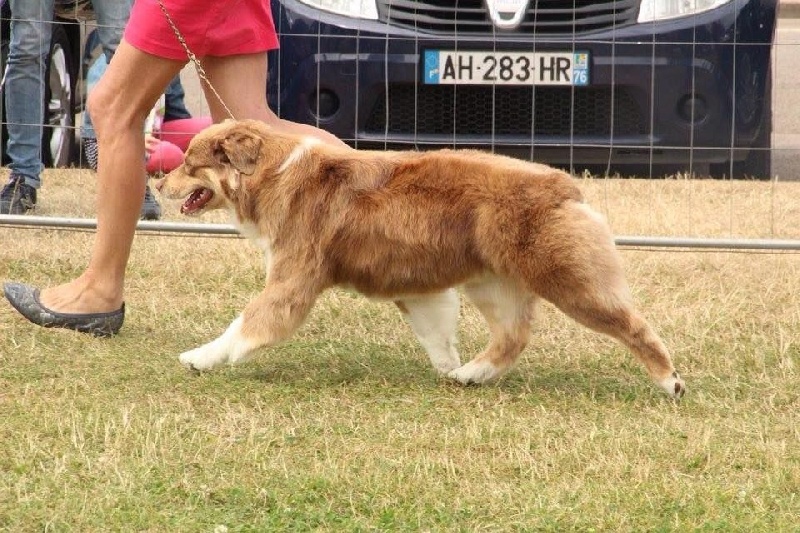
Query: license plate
x=450, y=67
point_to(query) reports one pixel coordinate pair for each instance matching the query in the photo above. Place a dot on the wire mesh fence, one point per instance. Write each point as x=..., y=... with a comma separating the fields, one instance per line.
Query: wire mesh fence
x=653, y=89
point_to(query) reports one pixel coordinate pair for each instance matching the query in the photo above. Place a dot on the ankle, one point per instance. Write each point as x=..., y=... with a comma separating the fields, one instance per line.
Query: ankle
x=102, y=290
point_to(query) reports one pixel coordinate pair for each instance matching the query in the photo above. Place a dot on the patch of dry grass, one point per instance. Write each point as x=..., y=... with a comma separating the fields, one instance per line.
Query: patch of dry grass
x=346, y=427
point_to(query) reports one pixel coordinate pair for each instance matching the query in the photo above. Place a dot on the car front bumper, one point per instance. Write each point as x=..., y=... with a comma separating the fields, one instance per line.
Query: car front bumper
x=689, y=90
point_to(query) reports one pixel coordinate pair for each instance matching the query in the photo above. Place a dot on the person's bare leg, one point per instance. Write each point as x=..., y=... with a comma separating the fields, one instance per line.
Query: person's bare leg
x=241, y=81
x=119, y=104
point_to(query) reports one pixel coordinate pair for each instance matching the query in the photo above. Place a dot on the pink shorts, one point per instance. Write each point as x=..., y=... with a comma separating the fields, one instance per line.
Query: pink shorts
x=210, y=27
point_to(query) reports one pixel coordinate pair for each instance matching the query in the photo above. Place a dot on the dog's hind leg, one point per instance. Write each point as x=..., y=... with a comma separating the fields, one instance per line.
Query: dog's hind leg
x=586, y=281
x=434, y=319
x=600, y=311
x=267, y=320
x=508, y=309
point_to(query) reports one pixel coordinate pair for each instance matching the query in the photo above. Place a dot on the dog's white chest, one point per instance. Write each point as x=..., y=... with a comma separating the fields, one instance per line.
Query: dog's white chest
x=250, y=232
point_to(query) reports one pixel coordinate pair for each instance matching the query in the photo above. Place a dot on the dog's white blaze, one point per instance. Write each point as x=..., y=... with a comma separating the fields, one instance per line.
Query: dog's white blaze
x=298, y=152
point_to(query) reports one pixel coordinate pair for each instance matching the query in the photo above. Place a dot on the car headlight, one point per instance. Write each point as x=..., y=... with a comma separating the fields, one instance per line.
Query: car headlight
x=360, y=9
x=653, y=10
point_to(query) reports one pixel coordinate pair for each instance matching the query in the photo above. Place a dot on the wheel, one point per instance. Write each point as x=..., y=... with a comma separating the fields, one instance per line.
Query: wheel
x=58, y=138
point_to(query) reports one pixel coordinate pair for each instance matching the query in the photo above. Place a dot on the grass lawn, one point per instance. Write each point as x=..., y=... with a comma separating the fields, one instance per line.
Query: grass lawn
x=347, y=428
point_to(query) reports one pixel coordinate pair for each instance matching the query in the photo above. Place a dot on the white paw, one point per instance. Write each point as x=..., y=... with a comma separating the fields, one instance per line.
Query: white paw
x=475, y=372
x=674, y=386
x=200, y=359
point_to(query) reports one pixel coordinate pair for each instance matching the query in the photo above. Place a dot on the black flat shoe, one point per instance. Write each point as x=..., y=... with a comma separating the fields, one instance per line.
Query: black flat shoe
x=25, y=299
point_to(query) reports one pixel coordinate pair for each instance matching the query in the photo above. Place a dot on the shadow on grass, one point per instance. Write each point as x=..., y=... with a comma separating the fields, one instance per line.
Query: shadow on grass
x=333, y=364
x=397, y=368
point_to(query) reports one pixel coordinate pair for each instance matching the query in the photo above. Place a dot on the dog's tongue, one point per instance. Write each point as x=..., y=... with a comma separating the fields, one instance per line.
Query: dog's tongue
x=196, y=201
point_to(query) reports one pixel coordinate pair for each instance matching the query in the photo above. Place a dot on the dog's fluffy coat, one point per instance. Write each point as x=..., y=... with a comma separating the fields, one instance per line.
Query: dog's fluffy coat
x=411, y=226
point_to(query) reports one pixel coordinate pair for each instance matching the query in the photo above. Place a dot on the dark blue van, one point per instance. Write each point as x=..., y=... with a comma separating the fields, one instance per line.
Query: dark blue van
x=608, y=84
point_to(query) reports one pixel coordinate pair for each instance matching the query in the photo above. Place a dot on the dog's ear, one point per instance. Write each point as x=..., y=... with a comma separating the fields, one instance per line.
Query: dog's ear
x=238, y=148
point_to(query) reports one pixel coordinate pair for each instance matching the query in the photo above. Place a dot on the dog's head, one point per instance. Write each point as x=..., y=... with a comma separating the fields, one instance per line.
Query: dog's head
x=225, y=162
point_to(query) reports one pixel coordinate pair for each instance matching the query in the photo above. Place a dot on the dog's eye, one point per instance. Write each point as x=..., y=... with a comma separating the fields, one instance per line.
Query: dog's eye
x=188, y=164
x=191, y=169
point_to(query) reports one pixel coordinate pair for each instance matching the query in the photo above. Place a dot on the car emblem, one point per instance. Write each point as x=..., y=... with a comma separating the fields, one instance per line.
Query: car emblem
x=507, y=14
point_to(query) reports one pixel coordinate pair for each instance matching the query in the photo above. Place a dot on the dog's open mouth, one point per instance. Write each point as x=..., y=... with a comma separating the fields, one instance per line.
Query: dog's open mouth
x=197, y=200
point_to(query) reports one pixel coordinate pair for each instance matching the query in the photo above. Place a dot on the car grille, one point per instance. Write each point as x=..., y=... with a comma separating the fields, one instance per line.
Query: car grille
x=518, y=111
x=543, y=17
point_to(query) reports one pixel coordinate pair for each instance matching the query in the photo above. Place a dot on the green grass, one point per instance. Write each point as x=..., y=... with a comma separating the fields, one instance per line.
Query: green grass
x=347, y=428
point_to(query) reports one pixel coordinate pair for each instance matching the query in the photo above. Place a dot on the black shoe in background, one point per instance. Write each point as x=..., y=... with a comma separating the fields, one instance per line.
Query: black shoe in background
x=17, y=197
x=90, y=152
x=151, y=210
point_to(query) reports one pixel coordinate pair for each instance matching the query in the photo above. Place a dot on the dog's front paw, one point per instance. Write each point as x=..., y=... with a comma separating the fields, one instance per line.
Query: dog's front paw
x=199, y=359
x=477, y=372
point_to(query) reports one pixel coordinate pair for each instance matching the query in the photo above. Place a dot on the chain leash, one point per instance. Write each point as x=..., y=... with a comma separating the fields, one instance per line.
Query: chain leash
x=193, y=58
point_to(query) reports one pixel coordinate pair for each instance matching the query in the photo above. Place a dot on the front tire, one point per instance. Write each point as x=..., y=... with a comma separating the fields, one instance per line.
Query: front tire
x=58, y=138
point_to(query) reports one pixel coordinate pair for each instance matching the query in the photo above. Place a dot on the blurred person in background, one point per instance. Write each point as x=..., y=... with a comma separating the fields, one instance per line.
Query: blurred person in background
x=24, y=89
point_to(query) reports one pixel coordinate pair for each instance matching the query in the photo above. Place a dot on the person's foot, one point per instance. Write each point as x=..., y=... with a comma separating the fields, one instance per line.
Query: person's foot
x=83, y=295
x=17, y=197
x=25, y=299
x=151, y=210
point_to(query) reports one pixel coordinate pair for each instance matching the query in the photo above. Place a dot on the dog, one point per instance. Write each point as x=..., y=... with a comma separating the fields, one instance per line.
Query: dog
x=411, y=227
